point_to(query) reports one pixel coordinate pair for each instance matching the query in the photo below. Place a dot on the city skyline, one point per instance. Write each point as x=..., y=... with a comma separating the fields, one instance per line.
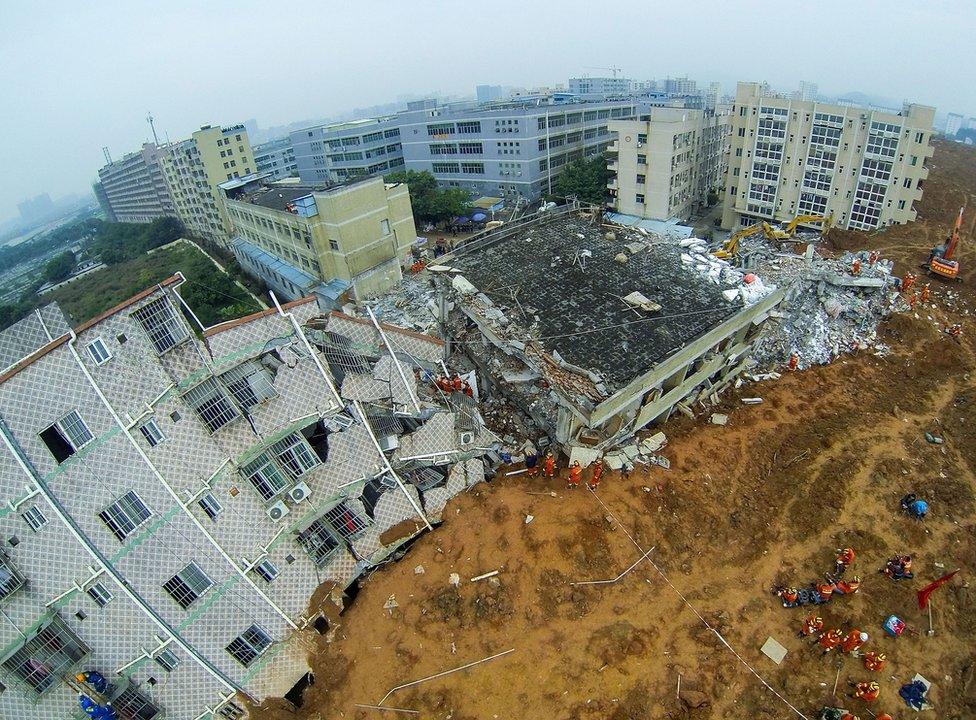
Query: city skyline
x=126, y=69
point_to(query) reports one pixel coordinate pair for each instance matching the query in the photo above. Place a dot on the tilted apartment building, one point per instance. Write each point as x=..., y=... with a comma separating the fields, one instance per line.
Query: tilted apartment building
x=665, y=162
x=358, y=234
x=863, y=167
x=134, y=189
x=170, y=505
x=194, y=169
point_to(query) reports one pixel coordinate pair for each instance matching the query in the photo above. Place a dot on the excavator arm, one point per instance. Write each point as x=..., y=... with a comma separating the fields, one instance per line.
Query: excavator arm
x=954, y=238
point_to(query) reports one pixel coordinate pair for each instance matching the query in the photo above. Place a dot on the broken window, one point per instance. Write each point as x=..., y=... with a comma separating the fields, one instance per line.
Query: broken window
x=46, y=657
x=249, y=383
x=294, y=455
x=249, y=645
x=67, y=436
x=265, y=476
x=318, y=541
x=211, y=404
x=161, y=323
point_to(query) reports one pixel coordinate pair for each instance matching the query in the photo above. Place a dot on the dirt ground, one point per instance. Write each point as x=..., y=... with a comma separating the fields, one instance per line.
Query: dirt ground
x=765, y=500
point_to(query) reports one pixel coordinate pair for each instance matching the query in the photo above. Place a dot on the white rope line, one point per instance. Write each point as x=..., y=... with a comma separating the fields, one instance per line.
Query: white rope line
x=698, y=614
x=446, y=672
x=613, y=580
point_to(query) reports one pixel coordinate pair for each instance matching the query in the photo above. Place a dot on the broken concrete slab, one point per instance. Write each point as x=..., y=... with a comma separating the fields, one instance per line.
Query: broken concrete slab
x=719, y=419
x=773, y=650
x=583, y=455
x=615, y=461
x=631, y=451
x=653, y=443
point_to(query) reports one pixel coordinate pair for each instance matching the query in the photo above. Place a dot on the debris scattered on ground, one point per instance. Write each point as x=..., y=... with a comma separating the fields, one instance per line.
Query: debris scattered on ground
x=752, y=401
x=419, y=570
x=529, y=518
x=773, y=650
x=454, y=579
x=934, y=439
x=719, y=419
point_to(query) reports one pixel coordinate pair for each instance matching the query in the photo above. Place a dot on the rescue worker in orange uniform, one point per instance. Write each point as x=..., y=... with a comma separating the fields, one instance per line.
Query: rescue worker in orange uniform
x=874, y=661
x=575, y=475
x=830, y=640
x=854, y=640
x=794, y=361
x=845, y=558
x=907, y=281
x=874, y=257
x=956, y=332
x=856, y=266
x=594, y=481
x=867, y=691
x=812, y=625
x=849, y=587
x=883, y=716
x=925, y=292
x=849, y=716
x=912, y=300
x=457, y=383
x=789, y=596
x=549, y=467
x=825, y=591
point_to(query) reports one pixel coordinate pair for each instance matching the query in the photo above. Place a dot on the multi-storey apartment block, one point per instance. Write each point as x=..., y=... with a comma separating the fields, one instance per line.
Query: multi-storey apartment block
x=277, y=158
x=336, y=153
x=863, y=167
x=666, y=162
x=194, y=169
x=171, y=504
x=134, y=187
x=359, y=234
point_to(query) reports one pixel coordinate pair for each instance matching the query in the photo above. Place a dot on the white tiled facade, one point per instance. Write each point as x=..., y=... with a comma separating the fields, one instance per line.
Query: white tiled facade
x=354, y=486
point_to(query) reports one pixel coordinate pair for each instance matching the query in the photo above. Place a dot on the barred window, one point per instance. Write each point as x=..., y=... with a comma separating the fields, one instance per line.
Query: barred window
x=10, y=579
x=125, y=515
x=162, y=325
x=231, y=711
x=67, y=436
x=44, y=659
x=294, y=455
x=345, y=522
x=318, y=541
x=210, y=506
x=188, y=585
x=133, y=705
x=249, y=383
x=265, y=476
x=249, y=645
x=212, y=404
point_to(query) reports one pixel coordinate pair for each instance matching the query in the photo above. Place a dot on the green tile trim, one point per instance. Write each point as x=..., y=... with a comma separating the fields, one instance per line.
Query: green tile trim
x=147, y=532
x=83, y=453
x=263, y=661
x=208, y=602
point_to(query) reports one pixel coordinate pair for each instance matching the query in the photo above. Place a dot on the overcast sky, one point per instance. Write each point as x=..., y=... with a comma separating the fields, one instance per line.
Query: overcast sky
x=76, y=76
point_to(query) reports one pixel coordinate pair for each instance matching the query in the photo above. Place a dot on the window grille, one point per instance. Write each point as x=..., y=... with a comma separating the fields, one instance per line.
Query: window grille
x=267, y=570
x=294, y=455
x=162, y=325
x=34, y=518
x=46, y=657
x=249, y=383
x=100, y=594
x=130, y=704
x=265, y=476
x=249, y=645
x=125, y=515
x=211, y=404
x=210, y=506
x=345, y=522
x=318, y=541
x=10, y=578
x=188, y=585
x=167, y=660
x=150, y=430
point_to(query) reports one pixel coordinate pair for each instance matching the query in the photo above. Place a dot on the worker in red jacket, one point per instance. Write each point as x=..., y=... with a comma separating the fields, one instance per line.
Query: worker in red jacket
x=867, y=691
x=845, y=559
x=830, y=640
x=854, y=640
x=594, y=482
x=575, y=474
x=811, y=626
x=549, y=466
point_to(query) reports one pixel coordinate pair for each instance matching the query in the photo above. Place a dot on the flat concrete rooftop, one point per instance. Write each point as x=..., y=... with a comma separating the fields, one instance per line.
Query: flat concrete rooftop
x=580, y=313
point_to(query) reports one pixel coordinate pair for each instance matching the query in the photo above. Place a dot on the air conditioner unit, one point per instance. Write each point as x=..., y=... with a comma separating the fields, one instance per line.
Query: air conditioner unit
x=300, y=492
x=278, y=510
x=467, y=438
x=640, y=145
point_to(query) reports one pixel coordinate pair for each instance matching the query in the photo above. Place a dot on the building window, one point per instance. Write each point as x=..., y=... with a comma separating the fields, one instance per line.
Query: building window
x=249, y=645
x=124, y=515
x=44, y=659
x=130, y=703
x=265, y=476
x=267, y=570
x=294, y=455
x=333, y=244
x=34, y=518
x=384, y=227
x=167, y=660
x=210, y=506
x=639, y=199
x=249, y=383
x=641, y=159
x=470, y=128
x=642, y=138
x=469, y=168
x=67, y=436
x=901, y=204
x=10, y=579
x=150, y=430
x=322, y=537
x=188, y=585
x=100, y=594
x=160, y=322
x=641, y=179
x=98, y=352
x=211, y=404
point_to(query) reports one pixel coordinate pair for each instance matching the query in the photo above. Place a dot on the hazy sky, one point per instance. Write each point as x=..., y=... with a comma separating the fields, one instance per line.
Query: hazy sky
x=75, y=76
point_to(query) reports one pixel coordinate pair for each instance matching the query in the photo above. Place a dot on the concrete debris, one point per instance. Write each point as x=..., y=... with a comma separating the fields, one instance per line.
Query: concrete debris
x=639, y=300
x=934, y=439
x=773, y=650
x=529, y=518
x=616, y=460
x=631, y=451
x=419, y=570
x=752, y=401
x=661, y=461
x=620, y=258
x=719, y=419
x=653, y=443
x=391, y=604
x=454, y=579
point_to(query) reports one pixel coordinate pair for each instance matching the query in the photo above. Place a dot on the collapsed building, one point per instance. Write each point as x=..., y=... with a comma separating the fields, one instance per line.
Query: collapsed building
x=595, y=331
x=183, y=507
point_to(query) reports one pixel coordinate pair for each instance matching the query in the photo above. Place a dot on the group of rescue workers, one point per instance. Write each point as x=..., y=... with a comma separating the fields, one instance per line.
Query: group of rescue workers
x=454, y=383
x=913, y=297
x=549, y=469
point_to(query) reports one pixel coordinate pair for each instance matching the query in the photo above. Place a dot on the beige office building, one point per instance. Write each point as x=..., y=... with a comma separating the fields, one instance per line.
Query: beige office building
x=360, y=232
x=667, y=161
x=194, y=170
x=864, y=167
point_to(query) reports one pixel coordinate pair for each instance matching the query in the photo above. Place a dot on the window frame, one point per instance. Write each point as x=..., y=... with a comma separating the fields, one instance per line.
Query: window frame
x=99, y=594
x=122, y=512
x=166, y=324
x=211, y=507
x=188, y=585
x=151, y=436
x=98, y=342
x=36, y=520
x=251, y=644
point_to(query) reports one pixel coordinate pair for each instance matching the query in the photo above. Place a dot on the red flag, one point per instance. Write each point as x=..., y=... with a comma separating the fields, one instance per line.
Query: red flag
x=923, y=594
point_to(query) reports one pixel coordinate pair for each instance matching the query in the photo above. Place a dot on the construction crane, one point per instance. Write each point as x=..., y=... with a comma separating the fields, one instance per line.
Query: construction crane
x=940, y=262
x=731, y=246
x=615, y=71
x=787, y=233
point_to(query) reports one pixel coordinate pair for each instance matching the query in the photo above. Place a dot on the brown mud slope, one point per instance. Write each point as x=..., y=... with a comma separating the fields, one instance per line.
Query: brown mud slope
x=767, y=499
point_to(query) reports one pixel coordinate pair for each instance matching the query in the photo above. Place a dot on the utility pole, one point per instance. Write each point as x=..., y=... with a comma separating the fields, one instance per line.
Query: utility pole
x=150, y=119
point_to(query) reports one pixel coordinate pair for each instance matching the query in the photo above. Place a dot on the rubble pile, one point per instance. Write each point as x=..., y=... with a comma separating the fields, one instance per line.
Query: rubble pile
x=738, y=285
x=412, y=304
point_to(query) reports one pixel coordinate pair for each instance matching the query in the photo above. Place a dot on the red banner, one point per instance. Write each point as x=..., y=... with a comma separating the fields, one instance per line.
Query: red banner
x=923, y=594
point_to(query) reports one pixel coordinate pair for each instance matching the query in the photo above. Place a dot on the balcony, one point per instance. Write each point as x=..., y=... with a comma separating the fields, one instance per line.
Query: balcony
x=613, y=147
x=612, y=184
x=612, y=165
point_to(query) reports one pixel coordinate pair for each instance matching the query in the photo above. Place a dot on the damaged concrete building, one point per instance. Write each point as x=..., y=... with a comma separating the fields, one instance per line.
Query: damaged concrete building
x=594, y=331
x=182, y=508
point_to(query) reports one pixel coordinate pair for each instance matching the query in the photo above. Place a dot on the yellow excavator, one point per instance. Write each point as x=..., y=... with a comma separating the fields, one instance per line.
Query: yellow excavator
x=731, y=246
x=787, y=233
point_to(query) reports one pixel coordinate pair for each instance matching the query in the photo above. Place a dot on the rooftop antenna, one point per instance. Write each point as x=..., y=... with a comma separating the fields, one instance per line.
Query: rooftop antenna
x=150, y=119
x=107, y=154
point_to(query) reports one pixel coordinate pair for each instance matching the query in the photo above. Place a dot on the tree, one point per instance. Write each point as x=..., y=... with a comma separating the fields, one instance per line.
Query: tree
x=164, y=230
x=60, y=266
x=430, y=203
x=586, y=179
